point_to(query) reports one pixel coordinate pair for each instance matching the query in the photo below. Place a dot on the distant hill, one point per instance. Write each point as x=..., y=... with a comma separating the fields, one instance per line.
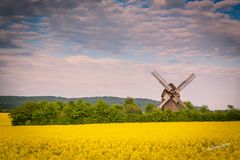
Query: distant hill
x=9, y=102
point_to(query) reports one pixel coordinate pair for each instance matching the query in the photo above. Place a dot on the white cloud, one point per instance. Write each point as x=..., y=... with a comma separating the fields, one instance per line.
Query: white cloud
x=117, y=30
x=202, y=5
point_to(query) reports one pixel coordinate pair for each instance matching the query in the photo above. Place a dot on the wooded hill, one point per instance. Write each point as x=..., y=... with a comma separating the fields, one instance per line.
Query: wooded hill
x=10, y=102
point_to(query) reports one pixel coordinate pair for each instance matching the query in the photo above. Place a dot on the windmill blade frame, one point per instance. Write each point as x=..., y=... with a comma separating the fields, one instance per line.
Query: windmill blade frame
x=182, y=103
x=164, y=102
x=186, y=82
x=161, y=80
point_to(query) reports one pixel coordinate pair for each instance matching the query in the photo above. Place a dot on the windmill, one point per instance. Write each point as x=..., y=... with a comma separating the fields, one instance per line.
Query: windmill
x=171, y=94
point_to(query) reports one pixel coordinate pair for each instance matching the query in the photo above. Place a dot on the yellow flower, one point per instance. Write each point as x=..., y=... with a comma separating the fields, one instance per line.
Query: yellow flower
x=121, y=141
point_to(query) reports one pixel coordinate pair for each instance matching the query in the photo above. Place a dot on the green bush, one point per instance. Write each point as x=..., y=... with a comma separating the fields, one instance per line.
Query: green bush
x=79, y=112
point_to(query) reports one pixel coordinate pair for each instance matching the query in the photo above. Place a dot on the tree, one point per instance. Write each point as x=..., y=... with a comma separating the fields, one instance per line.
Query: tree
x=117, y=106
x=116, y=114
x=204, y=108
x=189, y=105
x=24, y=113
x=233, y=114
x=168, y=114
x=130, y=107
x=69, y=112
x=150, y=108
x=101, y=111
x=79, y=112
x=129, y=100
x=230, y=106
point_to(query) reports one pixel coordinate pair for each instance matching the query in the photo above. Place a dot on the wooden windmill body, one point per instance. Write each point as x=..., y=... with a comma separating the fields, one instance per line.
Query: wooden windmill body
x=171, y=94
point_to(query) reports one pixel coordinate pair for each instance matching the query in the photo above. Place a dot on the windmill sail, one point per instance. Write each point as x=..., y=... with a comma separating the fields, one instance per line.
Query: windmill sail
x=167, y=98
x=161, y=80
x=186, y=82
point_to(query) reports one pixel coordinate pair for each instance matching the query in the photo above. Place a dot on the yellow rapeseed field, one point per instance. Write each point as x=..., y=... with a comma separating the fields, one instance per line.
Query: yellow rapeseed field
x=153, y=141
x=4, y=119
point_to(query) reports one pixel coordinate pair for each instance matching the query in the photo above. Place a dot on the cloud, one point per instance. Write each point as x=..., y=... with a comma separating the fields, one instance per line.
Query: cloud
x=167, y=3
x=35, y=7
x=211, y=6
x=81, y=48
x=122, y=28
x=202, y=5
x=104, y=26
x=226, y=4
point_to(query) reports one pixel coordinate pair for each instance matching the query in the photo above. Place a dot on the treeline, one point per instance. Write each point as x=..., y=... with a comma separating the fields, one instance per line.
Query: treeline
x=80, y=112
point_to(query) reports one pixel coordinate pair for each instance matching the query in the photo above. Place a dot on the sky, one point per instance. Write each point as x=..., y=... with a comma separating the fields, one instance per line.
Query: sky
x=82, y=48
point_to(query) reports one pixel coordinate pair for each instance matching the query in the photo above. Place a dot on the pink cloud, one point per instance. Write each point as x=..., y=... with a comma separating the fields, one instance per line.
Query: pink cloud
x=226, y=3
